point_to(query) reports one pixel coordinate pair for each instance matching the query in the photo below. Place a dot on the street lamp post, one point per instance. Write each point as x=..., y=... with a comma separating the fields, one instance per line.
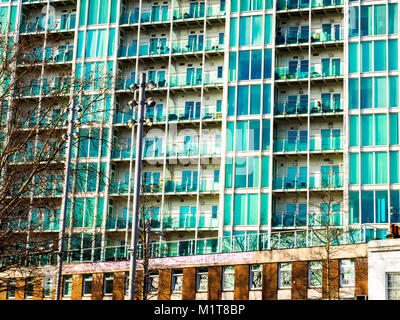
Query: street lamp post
x=68, y=137
x=138, y=173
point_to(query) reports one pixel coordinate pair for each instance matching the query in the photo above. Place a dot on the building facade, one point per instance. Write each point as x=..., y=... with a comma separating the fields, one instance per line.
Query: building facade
x=273, y=119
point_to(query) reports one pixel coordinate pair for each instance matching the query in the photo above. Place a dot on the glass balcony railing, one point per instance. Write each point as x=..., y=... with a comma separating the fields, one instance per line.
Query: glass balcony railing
x=326, y=106
x=317, y=70
x=155, y=14
x=180, y=186
x=292, y=144
x=317, y=143
x=127, y=50
x=283, y=5
x=58, y=86
x=299, y=106
x=122, y=152
x=118, y=222
x=322, y=180
x=290, y=182
x=184, y=113
x=147, y=49
x=289, y=219
x=191, y=79
x=209, y=184
x=120, y=187
x=190, y=221
x=52, y=55
x=301, y=35
x=181, y=149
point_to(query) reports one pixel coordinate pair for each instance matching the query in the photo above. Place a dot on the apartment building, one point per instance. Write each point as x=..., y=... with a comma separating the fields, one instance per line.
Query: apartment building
x=264, y=110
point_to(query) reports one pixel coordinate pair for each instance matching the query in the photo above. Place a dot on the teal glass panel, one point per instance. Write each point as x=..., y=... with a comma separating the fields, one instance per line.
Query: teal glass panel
x=393, y=56
x=102, y=47
x=381, y=206
x=233, y=32
x=366, y=93
x=354, y=168
x=231, y=100
x=381, y=167
x=393, y=128
x=79, y=50
x=228, y=210
x=380, y=129
x=255, y=99
x=229, y=135
x=244, y=65
x=243, y=100
x=380, y=92
x=257, y=30
x=354, y=130
x=242, y=135
x=239, y=214
x=268, y=29
x=266, y=134
x=393, y=91
x=103, y=13
x=91, y=37
x=111, y=42
x=264, y=219
x=394, y=166
x=99, y=212
x=240, y=172
x=366, y=20
x=354, y=21
x=266, y=99
x=254, y=135
x=366, y=56
x=380, y=19
x=93, y=12
x=113, y=13
x=393, y=19
x=264, y=172
x=244, y=31
x=82, y=14
x=253, y=172
x=232, y=66
x=13, y=16
x=228, y=173
x=256, y=64
x=252, y=209
x=235, y=5
x=245, y=5
x=353, y=57
x=354, y=100
x=394, y=206
x=354, y=207
x=268, y=4
x=367, y=138
x=267, y=63
x=367, y=207
x=367, y=168
x=257, y=5
x=379, y=55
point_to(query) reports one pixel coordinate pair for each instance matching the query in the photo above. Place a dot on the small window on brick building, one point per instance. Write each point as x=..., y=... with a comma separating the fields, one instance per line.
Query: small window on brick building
x=284, y=275
x=11, y=290
x=202, y=280
x=108, y=283
x=29, y=288
x=87, y=285
x=152, y=282
x=393, y=285
x=347, y=273
x=177, y=279
x=228, y=279
x=67, y=286
x=47, y=287
x=315, y=274
x=255, y=276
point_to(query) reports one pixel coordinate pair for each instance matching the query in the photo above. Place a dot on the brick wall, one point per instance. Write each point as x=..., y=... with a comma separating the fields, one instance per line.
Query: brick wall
x=97, y=286
x=119, y=286
x=241, y=291
x=270, y=281
x=214, y=283
x=38, y=288
x=164, y=286
x=189, y=284
x=77, y=285
x=299, y=280
x=361, y=276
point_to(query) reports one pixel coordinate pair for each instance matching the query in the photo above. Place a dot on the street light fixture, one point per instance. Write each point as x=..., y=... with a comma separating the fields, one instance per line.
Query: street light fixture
x=132, y=123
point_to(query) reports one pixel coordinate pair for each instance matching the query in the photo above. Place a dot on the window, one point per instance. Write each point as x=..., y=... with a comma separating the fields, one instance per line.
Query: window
x=393, y=286
x=347, y=273
x=228, y=278
x=67, y=286
x=108, y=283
x=152, y=282
x=202, y=279
x=177, y=279
x=47, y=287
x=29, y=288
x=11, y=290
x=255, y=276
x=285, y=275
x=315, y=274
x=87, y=285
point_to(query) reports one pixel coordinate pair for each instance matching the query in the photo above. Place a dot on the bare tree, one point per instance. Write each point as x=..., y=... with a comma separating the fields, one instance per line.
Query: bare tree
x=36, y=92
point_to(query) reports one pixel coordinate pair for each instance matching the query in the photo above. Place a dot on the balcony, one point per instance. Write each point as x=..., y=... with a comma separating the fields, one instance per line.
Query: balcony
x=299, y=71
x=290, y=182
x=190, y=46
x=295, y=36
x=298, y=106
x=286, y=5
x=64, y=22
x=185, y=185
x=327, y=143
x=58, y=86
x=196, y=12
x=318, y=143
x=122, y=152
x=191, y=79
x=289, y=219
x=52, y=55
x=326, y=181
x=188, y=221
x=115, y=222
x=157, y=14
x=120, y=187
